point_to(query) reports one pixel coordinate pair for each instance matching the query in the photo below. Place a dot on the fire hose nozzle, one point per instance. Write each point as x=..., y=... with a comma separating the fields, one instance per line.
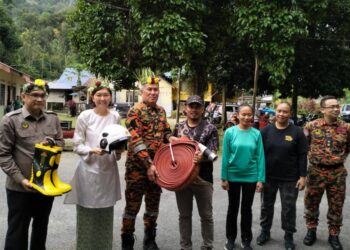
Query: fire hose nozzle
x=207, y=152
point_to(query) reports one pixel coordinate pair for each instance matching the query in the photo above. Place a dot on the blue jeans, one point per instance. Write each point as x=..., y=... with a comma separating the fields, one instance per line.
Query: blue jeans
x=289, y=194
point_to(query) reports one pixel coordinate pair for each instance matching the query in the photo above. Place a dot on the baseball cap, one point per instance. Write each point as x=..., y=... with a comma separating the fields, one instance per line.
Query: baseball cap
x=194, y=99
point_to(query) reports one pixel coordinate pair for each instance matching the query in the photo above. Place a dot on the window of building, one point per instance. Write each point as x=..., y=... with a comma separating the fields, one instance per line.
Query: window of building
x=13, y=93
x=132, y=96
x=2, y=94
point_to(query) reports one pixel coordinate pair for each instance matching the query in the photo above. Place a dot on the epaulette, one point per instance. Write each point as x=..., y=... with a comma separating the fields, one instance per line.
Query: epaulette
x=15, y=112
x=49, y=112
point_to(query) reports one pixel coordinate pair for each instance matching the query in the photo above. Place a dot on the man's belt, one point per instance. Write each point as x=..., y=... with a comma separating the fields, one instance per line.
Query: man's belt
x=323, y=166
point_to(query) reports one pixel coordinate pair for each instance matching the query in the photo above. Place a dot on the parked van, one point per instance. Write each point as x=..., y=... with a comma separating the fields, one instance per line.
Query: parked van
x=345, y=112
x=213, y=113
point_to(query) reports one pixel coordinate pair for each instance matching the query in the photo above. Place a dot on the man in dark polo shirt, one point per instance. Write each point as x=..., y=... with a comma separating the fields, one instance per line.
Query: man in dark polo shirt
x=329, y=140
x=201, y=131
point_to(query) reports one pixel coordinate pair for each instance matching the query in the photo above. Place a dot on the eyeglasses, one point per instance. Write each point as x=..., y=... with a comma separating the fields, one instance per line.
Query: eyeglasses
x=332, y=107
x=37, y=96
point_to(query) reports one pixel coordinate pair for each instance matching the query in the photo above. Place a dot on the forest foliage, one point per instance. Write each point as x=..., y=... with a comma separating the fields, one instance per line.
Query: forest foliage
x=39, y=36
x=302, y=46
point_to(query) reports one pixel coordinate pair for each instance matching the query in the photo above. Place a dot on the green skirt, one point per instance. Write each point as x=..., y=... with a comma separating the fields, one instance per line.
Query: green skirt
x=94, y=228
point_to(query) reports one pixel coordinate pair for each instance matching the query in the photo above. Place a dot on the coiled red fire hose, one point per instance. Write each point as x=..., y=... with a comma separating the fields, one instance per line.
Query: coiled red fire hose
x=174, y=163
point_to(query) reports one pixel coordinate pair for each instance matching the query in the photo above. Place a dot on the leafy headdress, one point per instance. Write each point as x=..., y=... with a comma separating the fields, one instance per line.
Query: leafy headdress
x=100, y=85
x=146, y=76
x=38, y=84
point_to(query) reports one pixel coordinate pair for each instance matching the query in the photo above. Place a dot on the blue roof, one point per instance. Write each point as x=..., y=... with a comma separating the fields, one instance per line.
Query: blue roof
x=69, y=78
x=268, y=110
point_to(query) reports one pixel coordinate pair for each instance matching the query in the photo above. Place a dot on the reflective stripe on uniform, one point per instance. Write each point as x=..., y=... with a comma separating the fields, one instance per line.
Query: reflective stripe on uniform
x=139, y=148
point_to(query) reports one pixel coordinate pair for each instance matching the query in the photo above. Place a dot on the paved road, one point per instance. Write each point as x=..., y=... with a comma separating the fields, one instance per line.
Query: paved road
x=61, y=235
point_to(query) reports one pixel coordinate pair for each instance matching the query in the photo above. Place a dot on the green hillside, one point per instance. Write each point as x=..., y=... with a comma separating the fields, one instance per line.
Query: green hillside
x=39, y=6
x=40, y=26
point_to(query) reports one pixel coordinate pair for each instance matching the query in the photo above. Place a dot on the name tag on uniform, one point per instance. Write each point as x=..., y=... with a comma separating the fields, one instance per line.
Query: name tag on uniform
x=288, y=138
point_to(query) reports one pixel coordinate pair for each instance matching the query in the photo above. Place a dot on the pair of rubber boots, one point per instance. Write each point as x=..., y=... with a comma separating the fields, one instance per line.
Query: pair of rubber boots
x=149, y=241
x=44, y=176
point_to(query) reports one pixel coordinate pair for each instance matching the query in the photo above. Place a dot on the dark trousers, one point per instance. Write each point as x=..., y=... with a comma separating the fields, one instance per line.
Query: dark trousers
x=289, y=194
x=234, y=200
x=22, y=208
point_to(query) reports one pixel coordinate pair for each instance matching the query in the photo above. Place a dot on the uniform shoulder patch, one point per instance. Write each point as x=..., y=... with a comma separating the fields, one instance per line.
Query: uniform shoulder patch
x=50, y=112
x=15, y=112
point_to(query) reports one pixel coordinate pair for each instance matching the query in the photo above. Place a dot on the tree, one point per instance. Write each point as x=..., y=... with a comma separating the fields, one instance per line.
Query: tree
x=322, y=64
x=168, y=30
x=214, y=24
x=44, y=49
x=9, y=40
x=231, y=69
x=159, y=34
x=107, y=40
x=271, y=29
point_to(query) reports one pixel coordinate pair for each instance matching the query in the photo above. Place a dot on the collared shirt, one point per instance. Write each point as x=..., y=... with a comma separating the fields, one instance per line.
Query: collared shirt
x=149, y=129
x=329, y=144
x=19, y=132
x=205, y=133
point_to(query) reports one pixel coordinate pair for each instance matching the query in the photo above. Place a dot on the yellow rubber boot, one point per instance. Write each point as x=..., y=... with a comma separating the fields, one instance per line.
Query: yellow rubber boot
x=42, y=166
x=63, y=187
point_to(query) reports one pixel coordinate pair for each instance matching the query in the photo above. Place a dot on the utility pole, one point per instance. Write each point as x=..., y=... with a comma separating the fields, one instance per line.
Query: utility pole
x=256, y=76
x=178, y=96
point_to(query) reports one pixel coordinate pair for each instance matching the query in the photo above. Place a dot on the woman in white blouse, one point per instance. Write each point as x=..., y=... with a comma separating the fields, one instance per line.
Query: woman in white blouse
x=96, y=184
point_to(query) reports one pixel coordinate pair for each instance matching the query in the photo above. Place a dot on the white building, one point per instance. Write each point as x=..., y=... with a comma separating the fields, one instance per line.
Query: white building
x=61, y=90
x=11, y=81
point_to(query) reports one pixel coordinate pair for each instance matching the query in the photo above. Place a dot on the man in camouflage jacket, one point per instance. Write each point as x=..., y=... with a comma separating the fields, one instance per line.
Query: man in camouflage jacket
x=149, y=129
x=329, y=140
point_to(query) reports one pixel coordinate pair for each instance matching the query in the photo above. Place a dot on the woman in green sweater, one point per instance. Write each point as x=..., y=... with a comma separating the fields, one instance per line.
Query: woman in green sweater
x=243, y=171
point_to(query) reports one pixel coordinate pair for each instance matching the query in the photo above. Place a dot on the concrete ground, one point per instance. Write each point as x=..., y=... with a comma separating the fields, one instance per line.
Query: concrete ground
x=61, y=235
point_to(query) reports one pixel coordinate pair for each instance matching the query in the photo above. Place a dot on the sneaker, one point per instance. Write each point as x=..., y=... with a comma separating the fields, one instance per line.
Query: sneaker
x=263, y=238
x=246, y=245
x=333, y=240
x=310, y=237
x=229, y=245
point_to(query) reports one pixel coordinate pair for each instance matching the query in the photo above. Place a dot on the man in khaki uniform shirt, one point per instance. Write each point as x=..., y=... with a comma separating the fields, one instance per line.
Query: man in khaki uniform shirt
x=20, y=130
